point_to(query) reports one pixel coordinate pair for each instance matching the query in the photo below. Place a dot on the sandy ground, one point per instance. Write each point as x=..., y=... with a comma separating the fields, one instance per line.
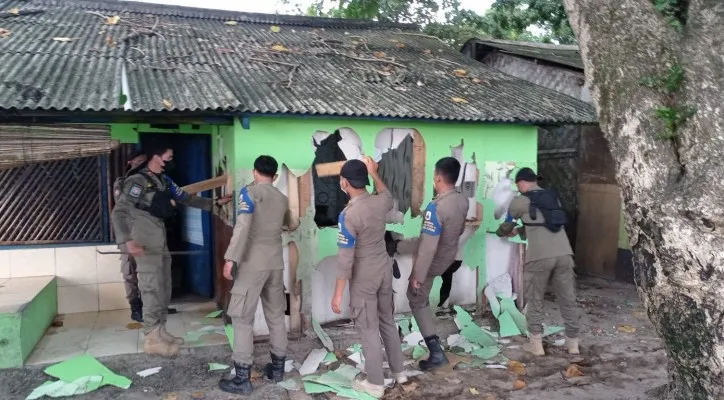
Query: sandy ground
x=615, y=364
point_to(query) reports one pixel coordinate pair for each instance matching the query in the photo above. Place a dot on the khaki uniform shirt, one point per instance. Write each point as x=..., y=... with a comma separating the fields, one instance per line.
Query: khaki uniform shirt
x=542, y=243
x=256, y=244
x=362, y=257
x=132, y=223
x=441, y=229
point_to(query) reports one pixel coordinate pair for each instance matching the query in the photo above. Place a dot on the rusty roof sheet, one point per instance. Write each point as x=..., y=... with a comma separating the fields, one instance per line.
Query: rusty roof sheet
x=63, y=55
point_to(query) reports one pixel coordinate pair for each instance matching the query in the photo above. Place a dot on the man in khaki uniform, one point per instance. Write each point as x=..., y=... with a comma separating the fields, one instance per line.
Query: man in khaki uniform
x=147, y=198
x=548, y=257
x=363, y=260
x=256, y=248
x=128, y=264
x=435, y=249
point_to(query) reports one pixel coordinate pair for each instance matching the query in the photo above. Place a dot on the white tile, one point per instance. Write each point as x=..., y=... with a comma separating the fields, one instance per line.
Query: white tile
x=4, y=264
x=112, y=296
x=32, y=285
x=83, y=320
x=52, y=356
x=76, y=299
x=32, y=262
x=75, y=266
x=109, y=342
x=109, y=266
x=116, y=319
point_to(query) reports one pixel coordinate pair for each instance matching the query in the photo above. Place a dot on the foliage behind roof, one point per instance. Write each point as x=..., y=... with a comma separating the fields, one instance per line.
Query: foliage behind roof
x=79, y=55
x=567, y=55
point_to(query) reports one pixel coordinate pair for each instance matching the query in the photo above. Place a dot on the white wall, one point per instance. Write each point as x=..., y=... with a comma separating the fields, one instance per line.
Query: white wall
x=87, y=281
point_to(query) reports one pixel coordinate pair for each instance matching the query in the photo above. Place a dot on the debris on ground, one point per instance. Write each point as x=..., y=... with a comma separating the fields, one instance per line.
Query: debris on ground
x=134, y=326
x=149, y=372
x=215, y=314
x=519, y=384
x=83, y=366
x=322, y=335
x=311, y=363
x=516, y=368
x=217, y=367
x=573, y=371
x=290, y=384
x=626, y=329
x=338, y=381
x=230, y=335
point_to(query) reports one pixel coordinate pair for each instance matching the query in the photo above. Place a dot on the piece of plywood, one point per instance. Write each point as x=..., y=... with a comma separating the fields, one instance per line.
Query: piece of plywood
x=305, y=192
x=293, y=195
x=418, y=174
x=599, y=210
x=209, y=184
x=329, y=169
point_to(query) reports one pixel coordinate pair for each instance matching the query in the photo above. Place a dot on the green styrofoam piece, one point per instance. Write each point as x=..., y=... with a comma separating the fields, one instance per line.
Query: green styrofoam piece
x=315, y=388
x=471, y=331
x=414, y=327
x=289, y=384
x=83, y=366
x=330, y=358
x=322, y=335
x=495, y=308
x=230, y=335
x=418, y=352
x=82, y=385
x=507, y=304
x=214, y=314
x=349, y=393
x=487, y=352
x=507, y=325
x=217, y=367
x=405, y=326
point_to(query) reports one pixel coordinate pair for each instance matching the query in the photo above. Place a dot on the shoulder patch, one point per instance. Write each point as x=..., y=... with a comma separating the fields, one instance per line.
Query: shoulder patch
x=431, y=224
x=246, y=204
x=345, y=239
x=135, y=191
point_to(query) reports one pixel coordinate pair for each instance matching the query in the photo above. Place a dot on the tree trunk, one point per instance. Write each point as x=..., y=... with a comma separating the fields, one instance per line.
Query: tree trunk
x=672, y=188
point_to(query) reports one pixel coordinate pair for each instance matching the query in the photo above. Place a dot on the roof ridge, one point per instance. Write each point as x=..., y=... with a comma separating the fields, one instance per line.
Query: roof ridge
x=208, y=13
x=536, y=45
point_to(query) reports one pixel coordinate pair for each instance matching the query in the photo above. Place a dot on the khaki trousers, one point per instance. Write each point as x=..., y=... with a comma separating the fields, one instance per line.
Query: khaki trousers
x=154, y=282
x=559, y=271
x=248, y=288
x=420, y=305
x=373, y=313
x=130, y=276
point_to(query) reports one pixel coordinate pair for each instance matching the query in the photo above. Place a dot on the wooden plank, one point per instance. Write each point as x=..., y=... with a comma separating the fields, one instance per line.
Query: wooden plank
x=209, y=184
x=295, y=293
x=329, y=169
x=293, y=195
x=418, y=174
x=305, y=192
x=599, y=214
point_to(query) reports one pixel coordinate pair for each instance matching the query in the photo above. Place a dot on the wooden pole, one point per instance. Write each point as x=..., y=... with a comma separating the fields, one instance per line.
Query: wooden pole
x=209, y=184
x=329, y=169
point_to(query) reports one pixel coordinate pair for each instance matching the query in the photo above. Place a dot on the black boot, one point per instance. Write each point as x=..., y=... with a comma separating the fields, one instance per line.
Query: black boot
x=437, y=356
x=240, y=383
x=274, y=371
x=136, y=309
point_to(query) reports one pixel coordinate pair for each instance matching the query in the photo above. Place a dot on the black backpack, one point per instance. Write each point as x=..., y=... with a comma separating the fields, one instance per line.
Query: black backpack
x=546, y=201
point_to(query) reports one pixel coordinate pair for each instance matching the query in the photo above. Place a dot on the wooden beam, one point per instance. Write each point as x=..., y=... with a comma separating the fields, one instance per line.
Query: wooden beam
x=209, y=184
x=329, y=169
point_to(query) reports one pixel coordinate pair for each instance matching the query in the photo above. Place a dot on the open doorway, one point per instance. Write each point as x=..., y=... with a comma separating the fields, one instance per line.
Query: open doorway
x=190, y=229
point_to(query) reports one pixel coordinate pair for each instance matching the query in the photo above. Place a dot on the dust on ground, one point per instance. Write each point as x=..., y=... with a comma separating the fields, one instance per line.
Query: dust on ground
x=615, y=361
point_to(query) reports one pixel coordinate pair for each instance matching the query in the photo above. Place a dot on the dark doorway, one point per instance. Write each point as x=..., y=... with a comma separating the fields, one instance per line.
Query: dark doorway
x=190, y=229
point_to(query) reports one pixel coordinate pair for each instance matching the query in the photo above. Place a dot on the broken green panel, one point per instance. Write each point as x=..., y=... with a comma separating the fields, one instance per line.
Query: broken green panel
x=289, y=384
x=230, y=335
x=487, y=352
x=405, y=326
x=84, y=366
x=348, y=371
x=330, y=358
x=355, y=348
x=507, y=304
x=82, y=385
x=214, y=314
x=507, y=325
x=217, y=367
x=471, y=331
x=414, y=327
x=494, y=307
x=349, y=393
x=322, y=335
x=418, y=352
x=315, y=388
x=552, y=330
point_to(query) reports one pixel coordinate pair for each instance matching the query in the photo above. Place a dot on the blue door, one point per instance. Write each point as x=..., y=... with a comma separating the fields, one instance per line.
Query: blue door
x=191, y=229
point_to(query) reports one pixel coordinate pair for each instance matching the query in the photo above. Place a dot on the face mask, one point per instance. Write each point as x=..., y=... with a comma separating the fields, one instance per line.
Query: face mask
x=168, y=165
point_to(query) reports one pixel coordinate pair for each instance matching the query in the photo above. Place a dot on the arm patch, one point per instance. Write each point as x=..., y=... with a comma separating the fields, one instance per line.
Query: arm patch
x=246, y=204
x=135, y=191
x=345, y=239
x=431, y=224
x=176, y=191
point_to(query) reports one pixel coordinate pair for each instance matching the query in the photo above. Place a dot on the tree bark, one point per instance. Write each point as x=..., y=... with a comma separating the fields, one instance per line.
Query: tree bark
x=673, y=189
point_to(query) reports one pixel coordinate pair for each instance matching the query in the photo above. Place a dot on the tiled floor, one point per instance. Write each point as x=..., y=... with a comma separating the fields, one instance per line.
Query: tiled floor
x=107, y=333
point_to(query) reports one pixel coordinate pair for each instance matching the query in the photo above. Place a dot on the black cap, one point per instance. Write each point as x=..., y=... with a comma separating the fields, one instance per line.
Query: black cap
x=136, y=153
x=526, y=174
x=355, y=172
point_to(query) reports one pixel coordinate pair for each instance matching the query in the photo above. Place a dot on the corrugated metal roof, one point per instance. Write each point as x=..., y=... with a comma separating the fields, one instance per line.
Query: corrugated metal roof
x=194, y=61
x=568, y=55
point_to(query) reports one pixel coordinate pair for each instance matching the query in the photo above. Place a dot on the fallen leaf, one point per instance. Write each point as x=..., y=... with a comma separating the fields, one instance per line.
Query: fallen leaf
x=474, y=391
x=110, y=41
x=400, y=45
x=409, y=388
x=453, y=381
x=459, y=100
x=516, y=368
x=167, y=103
x=231, y=23
x=379, y=54
x=134, y=325
x=63, y=39
x=279, y=47
x=170, y=396
x=519, y=385
x=113, y=20
x=573, y=371
x=489, y=397
x=14, y=11
x=460, y=73
x=476, y=80
x=4, y=33
x=626, y=329
x=428, y=51
x=275, y=29
x=255, y=375
x=198, y=395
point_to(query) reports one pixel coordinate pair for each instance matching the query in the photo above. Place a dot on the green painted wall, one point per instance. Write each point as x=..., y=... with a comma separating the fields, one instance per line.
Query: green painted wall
x=11, y=349
x=289, y=141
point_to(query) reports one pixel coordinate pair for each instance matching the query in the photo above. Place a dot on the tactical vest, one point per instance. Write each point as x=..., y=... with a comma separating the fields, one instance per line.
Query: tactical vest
x=162, y=204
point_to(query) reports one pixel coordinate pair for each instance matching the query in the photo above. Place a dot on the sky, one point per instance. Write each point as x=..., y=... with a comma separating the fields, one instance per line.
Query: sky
x=274, y=6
